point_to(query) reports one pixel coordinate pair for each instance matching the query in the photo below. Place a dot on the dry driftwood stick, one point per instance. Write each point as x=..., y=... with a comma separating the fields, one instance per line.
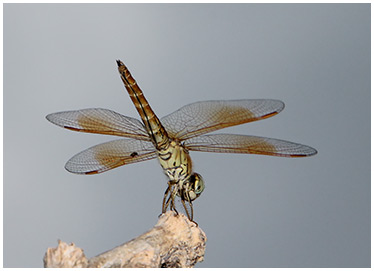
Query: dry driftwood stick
x=174, y=241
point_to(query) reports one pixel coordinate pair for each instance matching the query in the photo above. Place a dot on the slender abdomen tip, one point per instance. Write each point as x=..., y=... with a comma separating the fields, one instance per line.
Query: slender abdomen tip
x=119, y=63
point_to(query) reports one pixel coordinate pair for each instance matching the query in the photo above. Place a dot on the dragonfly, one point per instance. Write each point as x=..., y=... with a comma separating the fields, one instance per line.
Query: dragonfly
x=171, y=138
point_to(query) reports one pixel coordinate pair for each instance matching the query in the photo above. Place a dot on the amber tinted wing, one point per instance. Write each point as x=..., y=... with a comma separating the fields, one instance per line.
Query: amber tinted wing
x=110, y=155
x=229, y=143
x=100, y=121
x=204, y=117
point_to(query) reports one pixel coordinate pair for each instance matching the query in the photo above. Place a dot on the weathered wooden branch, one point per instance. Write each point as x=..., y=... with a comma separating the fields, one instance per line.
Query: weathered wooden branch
x=174, y=241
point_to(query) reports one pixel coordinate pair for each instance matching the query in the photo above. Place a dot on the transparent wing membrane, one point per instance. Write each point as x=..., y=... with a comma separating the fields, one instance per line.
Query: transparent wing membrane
x=100, y=121
x=204, y=117
x=172, y=135
x=110, y=155
x=230, y=143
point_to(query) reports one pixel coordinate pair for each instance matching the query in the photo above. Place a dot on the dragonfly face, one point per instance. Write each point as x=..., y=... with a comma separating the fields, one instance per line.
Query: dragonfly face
x=194, y=186
x=172, y=137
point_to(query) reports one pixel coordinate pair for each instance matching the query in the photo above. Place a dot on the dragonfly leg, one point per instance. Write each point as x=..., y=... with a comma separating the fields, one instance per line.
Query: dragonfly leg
x=165, y=203
x=190, y=216
x=168, y=200
x=191, y=208
x=173, y=193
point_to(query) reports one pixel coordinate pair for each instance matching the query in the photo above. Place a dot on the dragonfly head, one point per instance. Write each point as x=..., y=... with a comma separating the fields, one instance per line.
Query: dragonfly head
x=195, y=186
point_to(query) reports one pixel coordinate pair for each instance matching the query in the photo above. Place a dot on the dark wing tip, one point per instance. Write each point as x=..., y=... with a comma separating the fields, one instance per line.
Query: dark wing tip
x=48, y=117
x=51, y=118
x=279, y=106
x=72, y=169
x=313, y=151
x=308, y=151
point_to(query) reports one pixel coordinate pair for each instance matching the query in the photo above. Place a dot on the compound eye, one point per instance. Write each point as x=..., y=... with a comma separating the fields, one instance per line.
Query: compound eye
x=198, y=183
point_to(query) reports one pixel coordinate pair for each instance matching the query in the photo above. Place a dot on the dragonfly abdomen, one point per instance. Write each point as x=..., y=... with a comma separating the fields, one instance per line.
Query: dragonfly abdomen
x=152, y=124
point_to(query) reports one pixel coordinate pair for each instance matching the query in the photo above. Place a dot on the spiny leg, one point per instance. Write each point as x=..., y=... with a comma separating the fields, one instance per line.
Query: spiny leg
x=165, y=203
x=190, y=217
x=173, y=193
x=186, y=197
x=170, y=195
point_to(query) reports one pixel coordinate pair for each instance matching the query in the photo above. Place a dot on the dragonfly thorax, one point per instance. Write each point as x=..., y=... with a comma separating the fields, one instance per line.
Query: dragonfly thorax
x=176, y=162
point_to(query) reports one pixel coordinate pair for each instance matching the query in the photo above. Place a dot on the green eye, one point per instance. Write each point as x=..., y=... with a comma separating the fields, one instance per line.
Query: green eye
x=198, y=184
x=195, y=186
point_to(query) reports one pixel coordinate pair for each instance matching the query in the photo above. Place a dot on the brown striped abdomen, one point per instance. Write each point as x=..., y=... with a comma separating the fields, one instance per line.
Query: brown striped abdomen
x=152, y=124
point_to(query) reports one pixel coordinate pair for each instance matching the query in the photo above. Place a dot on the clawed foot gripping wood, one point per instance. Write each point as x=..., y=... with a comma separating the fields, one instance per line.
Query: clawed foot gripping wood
x=174, y=241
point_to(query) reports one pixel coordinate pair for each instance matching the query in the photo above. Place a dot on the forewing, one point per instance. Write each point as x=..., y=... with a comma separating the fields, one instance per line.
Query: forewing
x=229, y=143
x=110, y=155
x=204, y=117
x=100, y=121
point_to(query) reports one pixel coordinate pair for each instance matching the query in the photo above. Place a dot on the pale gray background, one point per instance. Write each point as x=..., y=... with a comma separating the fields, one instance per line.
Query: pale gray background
x=257, y=211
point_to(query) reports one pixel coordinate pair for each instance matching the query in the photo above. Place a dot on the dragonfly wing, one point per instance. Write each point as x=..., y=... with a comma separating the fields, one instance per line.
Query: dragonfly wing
x=204, y=117
x=100, y=121
x=110, y=155
x=229, y=143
